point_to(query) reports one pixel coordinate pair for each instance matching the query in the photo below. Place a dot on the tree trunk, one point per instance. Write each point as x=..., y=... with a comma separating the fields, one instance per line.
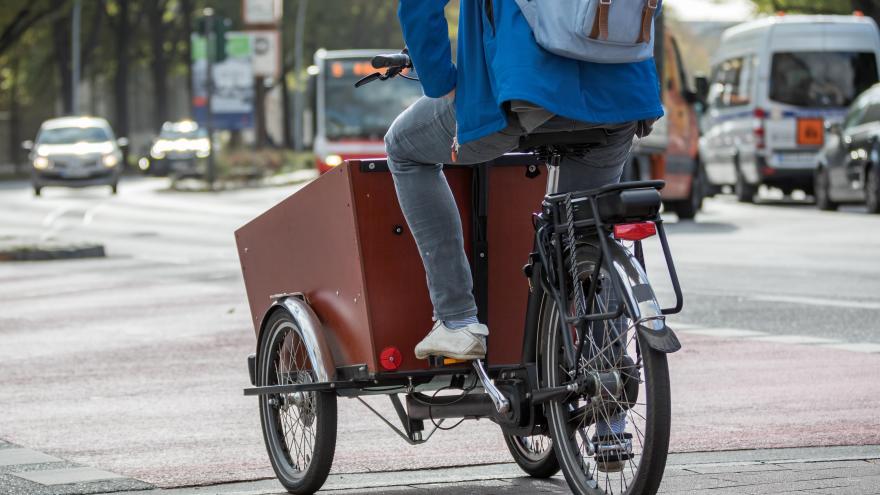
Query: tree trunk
x=14, y=125
x=187, y=7
x=159, y=62
x=61, y=48
x=120, y=83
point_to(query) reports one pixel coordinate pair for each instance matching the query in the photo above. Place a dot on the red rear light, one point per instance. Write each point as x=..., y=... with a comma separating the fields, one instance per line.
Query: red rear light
x=390, y=359
x=759, y=132
x=635, y=231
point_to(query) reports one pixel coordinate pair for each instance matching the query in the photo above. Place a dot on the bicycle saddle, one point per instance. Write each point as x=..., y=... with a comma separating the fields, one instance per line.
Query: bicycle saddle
x=563, y=141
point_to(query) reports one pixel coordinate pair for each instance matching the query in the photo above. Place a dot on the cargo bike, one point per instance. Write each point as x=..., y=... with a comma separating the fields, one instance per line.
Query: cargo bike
x=337, y=295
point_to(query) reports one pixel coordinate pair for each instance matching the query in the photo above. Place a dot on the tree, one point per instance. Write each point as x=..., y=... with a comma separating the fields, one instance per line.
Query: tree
x=14, y=22
x=870, y=8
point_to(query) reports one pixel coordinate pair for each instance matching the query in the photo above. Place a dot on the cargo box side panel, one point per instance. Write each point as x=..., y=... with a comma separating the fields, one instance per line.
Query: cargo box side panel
x=513, y=198
x=307, y=243
x=397, y=294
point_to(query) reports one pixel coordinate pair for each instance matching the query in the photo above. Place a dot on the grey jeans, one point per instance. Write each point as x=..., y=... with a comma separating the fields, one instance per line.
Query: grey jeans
x=420, y=141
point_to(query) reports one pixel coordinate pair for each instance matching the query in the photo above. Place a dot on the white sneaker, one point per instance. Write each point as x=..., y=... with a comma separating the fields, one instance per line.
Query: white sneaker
x=465, y=343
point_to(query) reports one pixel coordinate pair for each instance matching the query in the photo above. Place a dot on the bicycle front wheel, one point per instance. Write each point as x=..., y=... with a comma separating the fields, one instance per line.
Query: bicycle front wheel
x=614, y=441
x=299, y=428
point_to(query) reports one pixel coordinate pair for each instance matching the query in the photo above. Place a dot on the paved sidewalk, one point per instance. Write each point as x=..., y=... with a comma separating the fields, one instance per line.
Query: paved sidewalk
x=816, y=471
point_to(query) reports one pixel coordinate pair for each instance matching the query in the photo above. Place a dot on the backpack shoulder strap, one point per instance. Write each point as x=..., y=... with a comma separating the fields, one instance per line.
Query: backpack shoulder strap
x=647, y=20
x=600, y=25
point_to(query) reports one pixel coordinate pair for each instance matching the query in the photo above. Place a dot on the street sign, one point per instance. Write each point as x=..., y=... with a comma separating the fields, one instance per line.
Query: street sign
x=261, y=12
x=266, y=53
x=233, y=98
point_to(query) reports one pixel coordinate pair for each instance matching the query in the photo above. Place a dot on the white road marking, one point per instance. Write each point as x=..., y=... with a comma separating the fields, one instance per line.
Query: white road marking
x=726, y=333
x=89, y=216
x=865, y=347
x=817, y=301
x=796, y=339
x=164, y=259
x=754, y=335
x=56, y=214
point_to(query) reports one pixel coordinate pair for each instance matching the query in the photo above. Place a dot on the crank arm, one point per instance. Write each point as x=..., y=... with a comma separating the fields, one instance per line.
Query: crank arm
x=502, y=405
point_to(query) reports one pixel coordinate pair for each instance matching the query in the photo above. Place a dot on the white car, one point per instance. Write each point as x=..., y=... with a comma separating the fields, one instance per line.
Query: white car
x=775, y=81
x=75, y=152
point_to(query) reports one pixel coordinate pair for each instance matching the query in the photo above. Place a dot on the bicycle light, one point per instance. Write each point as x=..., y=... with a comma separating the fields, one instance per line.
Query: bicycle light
x=635, y=231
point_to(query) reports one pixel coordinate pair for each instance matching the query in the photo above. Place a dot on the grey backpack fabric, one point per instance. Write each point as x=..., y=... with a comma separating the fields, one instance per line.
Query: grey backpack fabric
x=604, y=31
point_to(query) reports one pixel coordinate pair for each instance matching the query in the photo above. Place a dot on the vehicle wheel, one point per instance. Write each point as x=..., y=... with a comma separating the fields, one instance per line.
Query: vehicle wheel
x=688, y=209
x=534, y=454
x=114, y=188
x=821, y=190
x=872, y=189
x=299, y=428
x=612, y=349
x=745, y=192
x=38, y=191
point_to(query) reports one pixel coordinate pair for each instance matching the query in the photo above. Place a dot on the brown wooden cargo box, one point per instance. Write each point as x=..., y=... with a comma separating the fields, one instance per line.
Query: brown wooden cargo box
x=343, y=242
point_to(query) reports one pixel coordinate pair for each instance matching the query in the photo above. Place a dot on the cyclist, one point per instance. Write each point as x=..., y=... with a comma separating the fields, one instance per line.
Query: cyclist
x=503, y=87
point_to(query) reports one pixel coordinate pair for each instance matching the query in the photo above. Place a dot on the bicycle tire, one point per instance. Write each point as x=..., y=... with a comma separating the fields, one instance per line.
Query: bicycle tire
x=643, y=474
x=306, y=475
x=537, y=464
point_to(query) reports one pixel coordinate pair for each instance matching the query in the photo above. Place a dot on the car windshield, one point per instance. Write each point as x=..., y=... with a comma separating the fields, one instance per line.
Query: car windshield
x=71, y=135
x=821, y=79
x=364, y=113
x=174, y=134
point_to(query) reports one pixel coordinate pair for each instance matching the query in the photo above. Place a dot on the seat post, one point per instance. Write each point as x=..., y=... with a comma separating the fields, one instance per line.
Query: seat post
x=554, y=159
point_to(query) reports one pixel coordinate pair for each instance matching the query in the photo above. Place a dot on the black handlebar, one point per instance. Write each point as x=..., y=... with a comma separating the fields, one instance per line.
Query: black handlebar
x=396, y=63
x=395, y=60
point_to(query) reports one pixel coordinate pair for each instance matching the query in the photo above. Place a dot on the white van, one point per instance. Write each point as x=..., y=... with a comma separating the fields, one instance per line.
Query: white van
x=774, y=83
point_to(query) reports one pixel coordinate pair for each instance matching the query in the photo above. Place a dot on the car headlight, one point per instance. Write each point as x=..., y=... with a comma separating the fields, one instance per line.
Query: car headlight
x=333, y=160
x=110, y=161
x=41, y=163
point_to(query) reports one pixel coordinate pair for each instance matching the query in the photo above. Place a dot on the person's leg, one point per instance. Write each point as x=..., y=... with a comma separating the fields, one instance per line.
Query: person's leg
x=603, y=165
x=418, y=143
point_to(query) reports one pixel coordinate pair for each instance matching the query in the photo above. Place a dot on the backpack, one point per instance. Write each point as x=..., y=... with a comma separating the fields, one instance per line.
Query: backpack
x=603, y=31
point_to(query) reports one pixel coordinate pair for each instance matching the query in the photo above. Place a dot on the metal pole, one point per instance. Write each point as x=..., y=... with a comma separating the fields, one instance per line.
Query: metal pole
x=209, y=90
x=298, y=106
x=75, y=57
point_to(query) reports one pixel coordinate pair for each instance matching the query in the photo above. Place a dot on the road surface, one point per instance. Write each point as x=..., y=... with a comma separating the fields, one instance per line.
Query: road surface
x=134, y=364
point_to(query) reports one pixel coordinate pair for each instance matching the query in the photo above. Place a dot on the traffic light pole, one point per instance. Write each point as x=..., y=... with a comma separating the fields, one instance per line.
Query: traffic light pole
x=209, y=82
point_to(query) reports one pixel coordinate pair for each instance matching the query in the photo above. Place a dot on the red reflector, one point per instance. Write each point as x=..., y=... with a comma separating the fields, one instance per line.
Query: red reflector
x=635, y=231
x=390, y=358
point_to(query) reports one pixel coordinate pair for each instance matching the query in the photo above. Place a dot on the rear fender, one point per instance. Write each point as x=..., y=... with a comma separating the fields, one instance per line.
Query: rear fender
x=311, y=331
x=641, y=301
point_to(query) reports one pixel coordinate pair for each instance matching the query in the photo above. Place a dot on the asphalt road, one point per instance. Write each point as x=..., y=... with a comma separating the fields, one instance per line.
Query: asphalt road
x=134, y=364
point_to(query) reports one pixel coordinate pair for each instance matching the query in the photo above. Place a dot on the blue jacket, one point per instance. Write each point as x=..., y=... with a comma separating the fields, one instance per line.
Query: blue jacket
x=503, y=62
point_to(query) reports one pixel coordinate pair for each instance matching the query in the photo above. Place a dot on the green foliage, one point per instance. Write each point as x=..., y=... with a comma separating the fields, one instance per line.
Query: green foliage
x=807, y=6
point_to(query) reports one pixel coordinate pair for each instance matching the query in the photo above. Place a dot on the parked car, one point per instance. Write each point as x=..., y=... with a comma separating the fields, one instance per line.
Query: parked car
x=75, y=152
x=180, y=150
x=849, y=165
x=670, y=152
x=774, y=84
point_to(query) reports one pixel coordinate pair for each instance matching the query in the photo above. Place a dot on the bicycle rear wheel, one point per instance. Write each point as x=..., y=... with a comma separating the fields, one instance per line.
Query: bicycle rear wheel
x=634, y=387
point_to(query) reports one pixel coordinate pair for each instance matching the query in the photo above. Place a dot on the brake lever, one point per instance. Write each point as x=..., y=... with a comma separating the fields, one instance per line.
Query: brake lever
x=367, y=80
x=392, y=72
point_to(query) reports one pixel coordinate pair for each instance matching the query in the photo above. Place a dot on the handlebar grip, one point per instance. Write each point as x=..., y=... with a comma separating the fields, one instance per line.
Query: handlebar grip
x=401, y=60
